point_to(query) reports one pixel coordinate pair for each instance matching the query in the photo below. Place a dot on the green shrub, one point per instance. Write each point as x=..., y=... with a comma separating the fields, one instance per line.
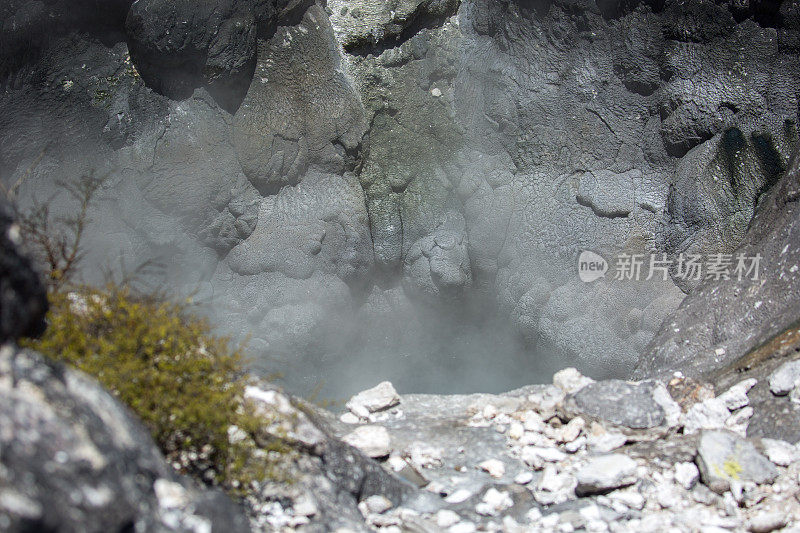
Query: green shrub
x=185, y=384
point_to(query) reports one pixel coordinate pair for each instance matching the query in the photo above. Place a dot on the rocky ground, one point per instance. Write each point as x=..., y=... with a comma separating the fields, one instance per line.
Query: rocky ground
x=572, y=456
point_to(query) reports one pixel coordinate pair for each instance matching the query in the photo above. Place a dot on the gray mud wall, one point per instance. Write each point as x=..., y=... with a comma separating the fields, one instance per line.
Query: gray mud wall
x=399, y=190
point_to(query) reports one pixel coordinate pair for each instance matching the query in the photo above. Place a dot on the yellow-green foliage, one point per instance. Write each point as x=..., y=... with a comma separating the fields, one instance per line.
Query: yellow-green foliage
x=183, y=382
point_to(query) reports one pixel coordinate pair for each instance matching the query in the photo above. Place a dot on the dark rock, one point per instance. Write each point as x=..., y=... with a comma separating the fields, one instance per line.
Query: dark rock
x=300, y=110
x=22, y=296
x=74, y=459
x=626, y=404
x=718, y=327
x=180, y=45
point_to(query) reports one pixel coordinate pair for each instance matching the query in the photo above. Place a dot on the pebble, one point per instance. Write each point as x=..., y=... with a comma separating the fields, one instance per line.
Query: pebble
x=494, y=501
x=709, y=414
x=376, y=504
x=736, y=397
x=767, y=521
x=446, y=518
x=686, y=474
x=374, y=441
x=516, y=431
x=459, y=496
x=785, y=378
x=570, y=380
x=780, y=452
x=606, y=443
x=606, y=472
x=631, y=498
x=523, y=478
x=349, y=418
x=380, y=397
x=571, y=431
x=423, y=455
x=533, y=455
x=494, y=467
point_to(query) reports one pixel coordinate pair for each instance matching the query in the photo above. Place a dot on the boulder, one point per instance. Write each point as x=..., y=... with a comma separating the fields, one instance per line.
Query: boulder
x=74, y=459
x=631, y=405
x=723, y=457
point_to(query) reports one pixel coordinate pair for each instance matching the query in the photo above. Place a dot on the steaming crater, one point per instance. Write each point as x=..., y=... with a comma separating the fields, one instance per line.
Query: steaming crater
x=404, y=194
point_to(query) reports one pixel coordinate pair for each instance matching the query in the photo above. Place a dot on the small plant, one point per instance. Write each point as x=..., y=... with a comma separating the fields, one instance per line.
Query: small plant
x=184, y=383
x=55, y=241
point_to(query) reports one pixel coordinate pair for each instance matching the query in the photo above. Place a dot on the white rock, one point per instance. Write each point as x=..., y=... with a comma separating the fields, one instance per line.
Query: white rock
x=606, y=472
x=532, y=421
x=396, y=462
x=463, y=527
x=382, y=396
x=536, y=439
x=349, y=418
x=686, y=474
x=372, y=440
x=446, y=518
x=570, y=380
x=493, y=502
x=590, y=512
x=550, y=521
x=555, y=482
x=672, y=411
x=436, y=92
x=631, y=498
x=577, y=444
x=516, y=431
x=305, y=507
x=523, y=478
x=767, y=521
x=739, y=421
x=606, y=442
x=459, y=496
x=534, y=515
x=736, y=397
x=710, y=414
x=376, y=504
x=489, y=412
x=423, y=455
x=667, y=496
x=494, y=467
x=785, y=378
x=780, y=452
x=534, y=456
x=571, y=430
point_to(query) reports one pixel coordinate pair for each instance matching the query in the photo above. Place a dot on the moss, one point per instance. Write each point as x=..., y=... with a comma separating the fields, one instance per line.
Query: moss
x=184, y=383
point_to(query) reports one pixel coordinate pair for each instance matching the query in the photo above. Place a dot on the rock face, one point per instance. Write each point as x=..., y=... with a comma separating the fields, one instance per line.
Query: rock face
x=310, y=171
x=707, y=332
x=178, y=46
